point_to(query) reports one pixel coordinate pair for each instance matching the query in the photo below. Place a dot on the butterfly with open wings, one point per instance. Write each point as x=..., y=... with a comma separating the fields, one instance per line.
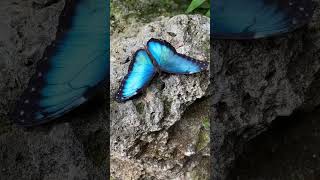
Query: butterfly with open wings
x=158, y=56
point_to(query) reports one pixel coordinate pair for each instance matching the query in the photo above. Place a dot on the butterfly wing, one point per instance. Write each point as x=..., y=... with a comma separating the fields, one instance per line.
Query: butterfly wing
x=247, y=19
x=140, y=73
x=76, y=67
x=168, y=60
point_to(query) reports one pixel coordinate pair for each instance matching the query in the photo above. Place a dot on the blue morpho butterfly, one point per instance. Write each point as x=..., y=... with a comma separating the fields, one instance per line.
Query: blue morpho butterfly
x=157, y=56
x=77, y=65
x=250, y=19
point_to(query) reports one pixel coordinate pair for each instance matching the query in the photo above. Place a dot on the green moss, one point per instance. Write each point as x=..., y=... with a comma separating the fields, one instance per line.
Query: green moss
x=203, y=139
x=167, y=106
x=204, y=136
x=127, y=12
x=140, y=107
x=147, y=9
x=206, y=123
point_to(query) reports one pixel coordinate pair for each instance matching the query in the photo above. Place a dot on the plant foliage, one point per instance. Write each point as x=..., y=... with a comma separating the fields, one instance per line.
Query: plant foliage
x=199, y=6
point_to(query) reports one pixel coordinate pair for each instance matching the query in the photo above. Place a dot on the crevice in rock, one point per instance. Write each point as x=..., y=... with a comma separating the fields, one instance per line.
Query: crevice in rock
x=194, y=122
x=313, y=95
x=37, y=5
x=90, y=126
x=289, y=149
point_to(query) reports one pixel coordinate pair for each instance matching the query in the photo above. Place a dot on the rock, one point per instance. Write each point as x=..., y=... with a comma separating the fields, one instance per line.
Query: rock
x=162, y=133
x=254, y=82
x=42, y=154
x=127, y=14
x=72, y=149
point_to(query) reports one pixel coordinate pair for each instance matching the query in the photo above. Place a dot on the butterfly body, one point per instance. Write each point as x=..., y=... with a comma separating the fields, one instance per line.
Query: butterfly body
x=249, y=19
x=74, y=68
x=158, y=56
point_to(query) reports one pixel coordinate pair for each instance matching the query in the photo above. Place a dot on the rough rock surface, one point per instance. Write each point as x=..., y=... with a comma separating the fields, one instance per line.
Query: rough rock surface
x=162, y=133
x=126, y=14
x=76, y=147
x=254, y=82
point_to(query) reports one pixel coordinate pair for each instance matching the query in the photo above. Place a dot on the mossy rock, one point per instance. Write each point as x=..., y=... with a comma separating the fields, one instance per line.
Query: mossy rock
x=128, y=12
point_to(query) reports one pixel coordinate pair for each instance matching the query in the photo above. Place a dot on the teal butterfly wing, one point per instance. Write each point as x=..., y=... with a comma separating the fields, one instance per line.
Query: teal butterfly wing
x=167, y=59
x=77, y=65
x=250, y=19
x=140, y=73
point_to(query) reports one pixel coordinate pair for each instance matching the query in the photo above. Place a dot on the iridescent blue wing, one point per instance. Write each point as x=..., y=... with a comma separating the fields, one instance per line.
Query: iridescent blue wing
x=77, y=65
x=168, y=60
x=248, y=19
x=140, y=73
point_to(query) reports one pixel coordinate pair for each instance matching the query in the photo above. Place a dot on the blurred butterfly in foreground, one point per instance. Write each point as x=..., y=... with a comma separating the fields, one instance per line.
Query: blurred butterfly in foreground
x=157, y=56
x=250, y=19
x=76, y=66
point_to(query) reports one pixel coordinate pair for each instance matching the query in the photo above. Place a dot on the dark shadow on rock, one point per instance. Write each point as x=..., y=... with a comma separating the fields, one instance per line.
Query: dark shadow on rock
x=290, y=149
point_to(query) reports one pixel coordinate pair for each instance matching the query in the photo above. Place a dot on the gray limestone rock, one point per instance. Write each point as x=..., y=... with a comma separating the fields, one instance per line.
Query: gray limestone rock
x=256, y=81
x=42, y=155
x=163, y=133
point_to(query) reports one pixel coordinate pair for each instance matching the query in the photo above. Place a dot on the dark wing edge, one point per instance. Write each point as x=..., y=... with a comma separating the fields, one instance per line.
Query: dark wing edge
x=30, y=122
x=203, y=64
x=42, y=67
x=248, y=36
x=118, y=94
x=251, y=35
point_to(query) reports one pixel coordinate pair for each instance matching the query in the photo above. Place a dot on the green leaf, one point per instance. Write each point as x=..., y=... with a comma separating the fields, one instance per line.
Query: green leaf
x=208, y=13
x=194, y=4
x=205, y=5
x=206, y=123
